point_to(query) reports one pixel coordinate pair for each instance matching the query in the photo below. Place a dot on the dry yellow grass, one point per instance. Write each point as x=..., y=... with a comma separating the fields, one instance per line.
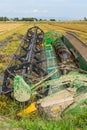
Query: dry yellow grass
x=21, y=27
x=73, y=26
x=5, y=27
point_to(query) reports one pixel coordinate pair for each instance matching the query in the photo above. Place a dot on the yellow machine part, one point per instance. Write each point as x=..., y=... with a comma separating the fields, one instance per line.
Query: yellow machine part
x=31, y=108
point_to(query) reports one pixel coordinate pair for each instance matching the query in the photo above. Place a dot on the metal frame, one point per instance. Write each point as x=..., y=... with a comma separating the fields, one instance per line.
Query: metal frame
x=29, y=60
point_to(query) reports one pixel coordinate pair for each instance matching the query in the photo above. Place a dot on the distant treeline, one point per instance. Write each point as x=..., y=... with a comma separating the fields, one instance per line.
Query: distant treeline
x=28, y=19
x=22, y=19
x=17, y=19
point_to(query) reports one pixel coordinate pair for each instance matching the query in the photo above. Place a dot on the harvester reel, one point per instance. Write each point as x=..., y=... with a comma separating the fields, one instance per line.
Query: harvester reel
x=28, y=60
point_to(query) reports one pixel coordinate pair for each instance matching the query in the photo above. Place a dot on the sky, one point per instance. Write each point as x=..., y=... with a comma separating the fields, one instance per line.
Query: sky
x=44, y=9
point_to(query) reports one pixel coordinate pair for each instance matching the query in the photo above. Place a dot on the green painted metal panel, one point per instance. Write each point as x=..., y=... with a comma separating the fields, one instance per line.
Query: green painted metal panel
x=51, y=61
x=79, y=58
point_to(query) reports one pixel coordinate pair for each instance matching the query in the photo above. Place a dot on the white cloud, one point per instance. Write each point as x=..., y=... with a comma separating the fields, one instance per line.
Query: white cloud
x=35, y=11
x=39, y=11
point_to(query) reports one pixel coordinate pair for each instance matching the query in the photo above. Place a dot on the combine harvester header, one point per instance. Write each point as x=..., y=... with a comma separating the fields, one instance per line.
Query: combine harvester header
x=49, y=67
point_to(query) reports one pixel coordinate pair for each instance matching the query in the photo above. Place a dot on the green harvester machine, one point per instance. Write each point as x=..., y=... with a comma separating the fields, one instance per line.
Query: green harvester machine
x=54, y=72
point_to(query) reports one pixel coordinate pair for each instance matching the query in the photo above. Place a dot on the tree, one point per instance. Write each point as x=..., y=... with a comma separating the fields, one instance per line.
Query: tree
x=16, y=19
x=85, y=19
x=52, y=20
x=29, y=19
x=4, y=19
